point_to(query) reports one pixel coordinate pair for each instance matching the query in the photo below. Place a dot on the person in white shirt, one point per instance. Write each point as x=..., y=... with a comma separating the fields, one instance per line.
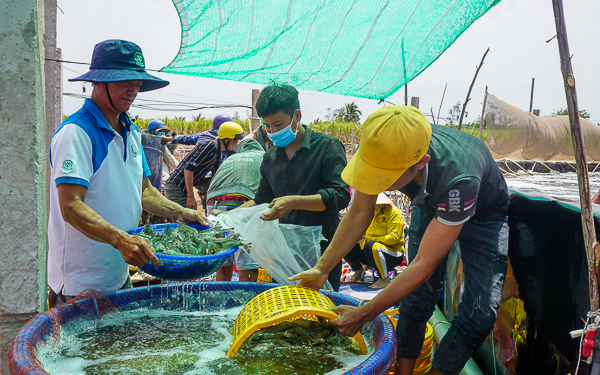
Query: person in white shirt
x=100, y=181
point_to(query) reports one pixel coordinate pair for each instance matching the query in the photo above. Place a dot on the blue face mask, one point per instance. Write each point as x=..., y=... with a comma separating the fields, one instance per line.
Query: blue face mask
x=284, y=136
x=160, y=134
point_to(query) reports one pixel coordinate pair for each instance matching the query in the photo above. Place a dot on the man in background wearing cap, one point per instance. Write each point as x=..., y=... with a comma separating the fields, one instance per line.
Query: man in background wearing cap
x=301, y=175
x=234, y=183
x=202, y=161
x=458, y=194
x=100, y=181
x=193, y=139
x=159, y=128
x=382, y=246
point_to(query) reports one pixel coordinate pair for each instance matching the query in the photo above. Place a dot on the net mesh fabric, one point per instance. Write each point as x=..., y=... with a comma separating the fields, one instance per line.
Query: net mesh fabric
x=519, y=135
x=362, y=48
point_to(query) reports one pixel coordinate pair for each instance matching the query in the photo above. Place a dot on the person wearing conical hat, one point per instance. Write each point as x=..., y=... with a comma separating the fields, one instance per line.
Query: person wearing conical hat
x=100, y=181
x=458, y=194
x=382, y=246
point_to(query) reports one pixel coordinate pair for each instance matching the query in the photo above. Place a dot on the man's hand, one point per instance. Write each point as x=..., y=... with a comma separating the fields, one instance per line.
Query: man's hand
x=349, y=320
x=216, y=212
x=194, y=216
x=137, y=250
x=313, y=278
x=191, y=203
x=280, y=207
x=167, y=139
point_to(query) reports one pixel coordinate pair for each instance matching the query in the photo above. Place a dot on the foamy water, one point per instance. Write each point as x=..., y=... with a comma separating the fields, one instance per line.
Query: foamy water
x=560, y=186
x=152, y=341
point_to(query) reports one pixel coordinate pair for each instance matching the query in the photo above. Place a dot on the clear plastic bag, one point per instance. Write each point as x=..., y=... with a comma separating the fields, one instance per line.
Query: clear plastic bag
x=282, y=250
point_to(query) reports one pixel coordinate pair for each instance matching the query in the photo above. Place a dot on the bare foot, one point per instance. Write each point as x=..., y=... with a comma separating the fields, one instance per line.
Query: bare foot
x=358, y=275
x=380, y=284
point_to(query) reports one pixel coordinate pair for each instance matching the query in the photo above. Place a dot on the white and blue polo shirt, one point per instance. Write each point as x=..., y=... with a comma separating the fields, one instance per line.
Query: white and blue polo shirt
x=85, y=150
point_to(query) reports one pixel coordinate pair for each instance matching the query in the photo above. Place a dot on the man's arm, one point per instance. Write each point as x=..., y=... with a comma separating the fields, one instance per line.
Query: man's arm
x=334, y=191
x=283, y=205
x=353, y=226
x=189, y=187
x=435, y=245
x=198, y=162
x=156, y=203
x=134, y=249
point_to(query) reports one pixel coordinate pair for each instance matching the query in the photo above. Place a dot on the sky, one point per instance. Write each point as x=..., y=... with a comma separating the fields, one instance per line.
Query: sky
x=516, y=32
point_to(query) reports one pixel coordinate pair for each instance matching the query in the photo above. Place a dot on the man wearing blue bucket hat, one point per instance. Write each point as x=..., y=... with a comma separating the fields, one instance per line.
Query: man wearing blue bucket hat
x=100, y=181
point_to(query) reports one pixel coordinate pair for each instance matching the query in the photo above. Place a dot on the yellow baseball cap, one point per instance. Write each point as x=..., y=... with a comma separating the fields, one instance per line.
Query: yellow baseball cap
x=393, y=139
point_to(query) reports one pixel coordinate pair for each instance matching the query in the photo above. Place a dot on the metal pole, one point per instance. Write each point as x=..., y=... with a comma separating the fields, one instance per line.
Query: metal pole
x=589, y=232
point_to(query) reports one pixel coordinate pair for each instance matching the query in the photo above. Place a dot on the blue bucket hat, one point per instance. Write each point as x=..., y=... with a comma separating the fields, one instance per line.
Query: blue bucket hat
x=119, y=60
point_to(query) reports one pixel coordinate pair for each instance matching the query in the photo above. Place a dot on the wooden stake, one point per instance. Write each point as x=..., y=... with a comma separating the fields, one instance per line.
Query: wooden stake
x=589, y=232
x=462, y=113
x=438, y=118
x=482, y=119
x=255, y=120
x=531, y=99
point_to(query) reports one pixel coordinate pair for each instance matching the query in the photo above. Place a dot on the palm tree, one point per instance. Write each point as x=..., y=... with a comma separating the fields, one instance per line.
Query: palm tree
x=351, y=113
x=197, y=117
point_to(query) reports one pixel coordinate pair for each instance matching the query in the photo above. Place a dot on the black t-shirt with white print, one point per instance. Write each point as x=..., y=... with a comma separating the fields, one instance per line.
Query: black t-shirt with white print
x=461, y=181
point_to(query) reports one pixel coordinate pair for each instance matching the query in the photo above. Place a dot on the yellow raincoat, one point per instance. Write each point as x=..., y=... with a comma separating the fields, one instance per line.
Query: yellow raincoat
x=387, y=228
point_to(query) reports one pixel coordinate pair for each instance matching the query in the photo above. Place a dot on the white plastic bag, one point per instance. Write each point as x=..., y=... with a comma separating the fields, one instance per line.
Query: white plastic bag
x=282, y=250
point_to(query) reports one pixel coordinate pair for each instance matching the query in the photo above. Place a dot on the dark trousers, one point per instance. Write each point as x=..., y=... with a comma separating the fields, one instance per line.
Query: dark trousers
x=357, y=257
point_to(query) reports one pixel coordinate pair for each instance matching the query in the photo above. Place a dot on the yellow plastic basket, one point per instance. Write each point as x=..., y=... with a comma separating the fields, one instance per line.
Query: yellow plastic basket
x=264, y=277
x=281, y=304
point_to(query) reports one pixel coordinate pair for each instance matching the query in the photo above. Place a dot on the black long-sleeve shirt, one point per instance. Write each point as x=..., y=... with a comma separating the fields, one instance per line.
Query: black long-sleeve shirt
x=315, y=168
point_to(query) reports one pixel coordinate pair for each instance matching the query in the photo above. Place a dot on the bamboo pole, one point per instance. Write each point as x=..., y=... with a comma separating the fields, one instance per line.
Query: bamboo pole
x=589, y=232
x=482, y=119
x=464, y=107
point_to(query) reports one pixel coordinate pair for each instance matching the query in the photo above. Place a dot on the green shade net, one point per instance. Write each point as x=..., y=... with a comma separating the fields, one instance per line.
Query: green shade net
x=364, y=48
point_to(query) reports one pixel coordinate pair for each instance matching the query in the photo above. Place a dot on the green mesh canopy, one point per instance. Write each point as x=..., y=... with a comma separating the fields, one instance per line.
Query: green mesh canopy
x=364, y=48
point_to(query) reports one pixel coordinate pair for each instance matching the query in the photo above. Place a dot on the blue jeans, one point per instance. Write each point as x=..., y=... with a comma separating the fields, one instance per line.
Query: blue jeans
x=483, y=251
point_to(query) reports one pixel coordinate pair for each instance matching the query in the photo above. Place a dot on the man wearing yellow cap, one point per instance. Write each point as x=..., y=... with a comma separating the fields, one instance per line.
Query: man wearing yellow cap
x=458, y=195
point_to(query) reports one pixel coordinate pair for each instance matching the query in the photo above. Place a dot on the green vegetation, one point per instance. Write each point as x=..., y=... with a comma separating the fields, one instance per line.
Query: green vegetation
x=180, y=126
x=565, y=112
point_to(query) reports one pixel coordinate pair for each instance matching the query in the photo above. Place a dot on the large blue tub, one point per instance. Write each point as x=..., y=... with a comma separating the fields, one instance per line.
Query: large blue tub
x=378, y=334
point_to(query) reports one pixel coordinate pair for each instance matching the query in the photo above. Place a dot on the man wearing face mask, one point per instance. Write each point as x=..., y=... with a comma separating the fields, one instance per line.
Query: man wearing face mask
x=301, y=174
x=206, y=157
x=157, y=127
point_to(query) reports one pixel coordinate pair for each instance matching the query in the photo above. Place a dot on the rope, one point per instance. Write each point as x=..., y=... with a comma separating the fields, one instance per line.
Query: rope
x=505, y=172
x=153, y=149
x=436, y=323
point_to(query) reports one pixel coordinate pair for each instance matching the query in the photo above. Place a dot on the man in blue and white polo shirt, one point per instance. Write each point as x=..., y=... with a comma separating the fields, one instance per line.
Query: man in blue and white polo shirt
x=101, y=181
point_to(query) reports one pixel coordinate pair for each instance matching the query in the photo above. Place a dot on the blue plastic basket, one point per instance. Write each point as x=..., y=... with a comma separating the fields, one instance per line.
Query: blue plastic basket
x=183, y=267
